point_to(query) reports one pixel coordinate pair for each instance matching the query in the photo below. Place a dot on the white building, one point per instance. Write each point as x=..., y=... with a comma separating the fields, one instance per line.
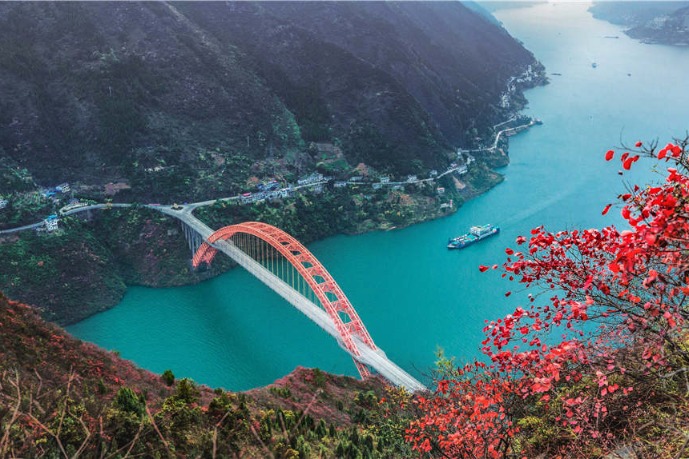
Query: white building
x=313, y=178
x=51, y=223
x=63, y=188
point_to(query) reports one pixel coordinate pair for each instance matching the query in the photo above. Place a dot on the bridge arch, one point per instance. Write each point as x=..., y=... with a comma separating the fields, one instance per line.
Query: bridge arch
x=331, y=297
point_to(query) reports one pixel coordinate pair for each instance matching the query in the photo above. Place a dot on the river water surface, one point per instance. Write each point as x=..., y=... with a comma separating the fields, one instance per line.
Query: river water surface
x=413, y=294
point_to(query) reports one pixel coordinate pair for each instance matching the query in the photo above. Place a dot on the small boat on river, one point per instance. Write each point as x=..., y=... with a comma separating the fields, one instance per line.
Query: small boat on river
x=475, y=234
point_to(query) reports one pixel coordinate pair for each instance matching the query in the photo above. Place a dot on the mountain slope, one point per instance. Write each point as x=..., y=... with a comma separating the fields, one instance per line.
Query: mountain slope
x=60, y=397
x=182, y=100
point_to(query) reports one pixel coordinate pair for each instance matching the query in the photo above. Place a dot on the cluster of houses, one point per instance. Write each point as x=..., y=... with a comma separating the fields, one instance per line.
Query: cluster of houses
x=50, y=193
x=273, y=185
x=313, y=178
x=268, y=191
x=50, y=223
x=260, y=196
x=526, y=77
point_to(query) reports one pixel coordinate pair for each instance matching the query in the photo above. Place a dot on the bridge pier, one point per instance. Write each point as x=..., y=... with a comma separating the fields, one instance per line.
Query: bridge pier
x=194, y=239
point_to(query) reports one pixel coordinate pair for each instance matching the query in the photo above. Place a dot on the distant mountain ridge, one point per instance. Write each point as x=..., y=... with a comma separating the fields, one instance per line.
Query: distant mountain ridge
x=651, y=22
x=201, y=93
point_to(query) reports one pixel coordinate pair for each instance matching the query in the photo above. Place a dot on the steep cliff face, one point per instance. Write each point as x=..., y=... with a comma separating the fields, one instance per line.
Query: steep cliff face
x=199, y=93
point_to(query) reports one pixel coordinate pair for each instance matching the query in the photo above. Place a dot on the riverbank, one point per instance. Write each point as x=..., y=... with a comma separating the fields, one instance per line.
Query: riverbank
x=85, y=267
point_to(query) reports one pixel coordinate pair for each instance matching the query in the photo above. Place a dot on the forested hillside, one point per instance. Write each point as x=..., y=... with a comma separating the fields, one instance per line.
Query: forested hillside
x=183, y=100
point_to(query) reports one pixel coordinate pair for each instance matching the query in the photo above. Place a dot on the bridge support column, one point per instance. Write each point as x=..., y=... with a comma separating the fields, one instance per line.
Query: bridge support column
x=194, y=239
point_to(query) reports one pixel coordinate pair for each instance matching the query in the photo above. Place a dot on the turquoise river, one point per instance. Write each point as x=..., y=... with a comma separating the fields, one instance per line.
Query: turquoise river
x=411, y=292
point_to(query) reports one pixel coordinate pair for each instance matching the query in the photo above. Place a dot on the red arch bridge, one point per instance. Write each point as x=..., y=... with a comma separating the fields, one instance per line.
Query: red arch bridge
x=288, y=268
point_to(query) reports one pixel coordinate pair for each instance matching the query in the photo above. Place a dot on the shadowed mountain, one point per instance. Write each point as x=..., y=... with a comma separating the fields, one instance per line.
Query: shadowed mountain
x=202, y=92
